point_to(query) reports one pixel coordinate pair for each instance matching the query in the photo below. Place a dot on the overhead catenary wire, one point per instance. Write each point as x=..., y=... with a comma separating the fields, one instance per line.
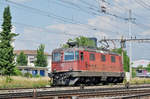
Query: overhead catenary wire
x=95, y=15
x=98, y=11
x=95, y=9
x=139, y=24
x=48, y=14
x=117, y=5
x=44, y=29
x=142, y=4
x=79, y=7
x=47, y=30
x=60, y=18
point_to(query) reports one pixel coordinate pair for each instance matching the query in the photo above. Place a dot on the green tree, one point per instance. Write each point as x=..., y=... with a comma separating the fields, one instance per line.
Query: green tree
x=22, y=59
x=41, y=59
x=133, y=72
x=82, y=41
x=126, y=60
x=148, y=68
x=140, y=67
x=7, y=64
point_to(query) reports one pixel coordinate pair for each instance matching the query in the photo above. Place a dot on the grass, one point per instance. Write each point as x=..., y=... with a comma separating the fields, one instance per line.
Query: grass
x=140, y=81
x=23, y=82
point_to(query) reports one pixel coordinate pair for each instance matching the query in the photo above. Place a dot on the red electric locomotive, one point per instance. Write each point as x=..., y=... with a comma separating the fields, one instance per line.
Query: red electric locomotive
x=78, y=65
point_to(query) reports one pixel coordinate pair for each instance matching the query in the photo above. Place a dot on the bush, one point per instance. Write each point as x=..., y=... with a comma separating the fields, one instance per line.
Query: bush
x=18, y=72
x=8, y=79
x=37, y=76
x=133, y=73
x=28, y=75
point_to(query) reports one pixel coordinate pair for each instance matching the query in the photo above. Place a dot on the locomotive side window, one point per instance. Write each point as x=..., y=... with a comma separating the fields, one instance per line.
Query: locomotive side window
x=76, y=55
x=113, y=59
x=69, y=56
x=92, y=57
x=103, y=58
x=82, y=56
x=56, y=57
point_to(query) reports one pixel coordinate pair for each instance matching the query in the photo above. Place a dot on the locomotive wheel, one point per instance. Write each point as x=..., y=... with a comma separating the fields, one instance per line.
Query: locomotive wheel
x=110, y=79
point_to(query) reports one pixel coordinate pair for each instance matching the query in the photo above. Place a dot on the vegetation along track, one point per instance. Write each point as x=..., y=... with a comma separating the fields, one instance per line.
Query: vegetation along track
x=66, y=92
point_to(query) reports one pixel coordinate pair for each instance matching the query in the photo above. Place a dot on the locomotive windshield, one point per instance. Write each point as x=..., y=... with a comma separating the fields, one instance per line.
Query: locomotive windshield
x=56, y=57
x=71, y=55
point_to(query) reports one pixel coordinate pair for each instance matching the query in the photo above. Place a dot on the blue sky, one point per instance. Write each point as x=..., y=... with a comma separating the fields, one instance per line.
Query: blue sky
x=53, y=22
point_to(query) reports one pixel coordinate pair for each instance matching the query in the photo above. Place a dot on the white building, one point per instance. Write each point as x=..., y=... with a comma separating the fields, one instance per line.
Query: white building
x=31, y=57
x=141, y=62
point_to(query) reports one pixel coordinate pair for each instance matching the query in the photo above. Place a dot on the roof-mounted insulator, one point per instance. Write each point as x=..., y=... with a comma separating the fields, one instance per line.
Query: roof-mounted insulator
x=103, y=9
x=103, y=6
x=72, y=44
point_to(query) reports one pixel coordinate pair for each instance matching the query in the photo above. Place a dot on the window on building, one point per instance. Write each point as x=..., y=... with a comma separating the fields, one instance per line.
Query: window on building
x=103, y=58
x=69, y=56
x=92, y=57
x=56, y=57
x=31, y=60
x=113, y=59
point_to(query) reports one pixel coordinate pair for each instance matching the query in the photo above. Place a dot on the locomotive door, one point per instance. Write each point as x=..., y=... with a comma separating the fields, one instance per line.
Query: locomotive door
x=83, y=61
x=86, y=61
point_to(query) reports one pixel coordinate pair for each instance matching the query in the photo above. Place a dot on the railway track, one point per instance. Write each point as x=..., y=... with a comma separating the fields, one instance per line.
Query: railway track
x=64, y=93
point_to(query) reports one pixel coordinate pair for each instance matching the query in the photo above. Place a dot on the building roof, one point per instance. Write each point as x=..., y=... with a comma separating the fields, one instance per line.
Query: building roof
x=29, y=52
x=31, y=67
x=142, y=62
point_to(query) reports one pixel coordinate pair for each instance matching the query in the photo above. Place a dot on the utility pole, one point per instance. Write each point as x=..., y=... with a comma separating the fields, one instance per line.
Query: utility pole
x=130, y=45
x=130, y=19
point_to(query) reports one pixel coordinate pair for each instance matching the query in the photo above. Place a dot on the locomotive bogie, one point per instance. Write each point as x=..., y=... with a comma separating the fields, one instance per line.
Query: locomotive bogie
x=72, y=78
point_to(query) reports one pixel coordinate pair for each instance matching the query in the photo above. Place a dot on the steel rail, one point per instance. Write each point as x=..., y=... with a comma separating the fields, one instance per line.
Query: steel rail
x=80, y=92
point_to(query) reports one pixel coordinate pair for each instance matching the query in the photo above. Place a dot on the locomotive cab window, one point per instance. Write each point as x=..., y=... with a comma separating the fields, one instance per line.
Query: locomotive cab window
x=92, y=57
x=69, y=56
x=103, y=58
x=56, y=57
x=113, y=59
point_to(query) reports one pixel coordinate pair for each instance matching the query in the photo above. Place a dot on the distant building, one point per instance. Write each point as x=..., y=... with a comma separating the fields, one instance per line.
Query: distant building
x=142, y=62
x=31, y=57
x=42, y=71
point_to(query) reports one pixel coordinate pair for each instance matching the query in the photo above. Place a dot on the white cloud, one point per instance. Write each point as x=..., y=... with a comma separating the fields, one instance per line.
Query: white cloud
x=108, y=25
x=147, y=32
x=57, y=34
x=32, y=37
x=98, y=26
